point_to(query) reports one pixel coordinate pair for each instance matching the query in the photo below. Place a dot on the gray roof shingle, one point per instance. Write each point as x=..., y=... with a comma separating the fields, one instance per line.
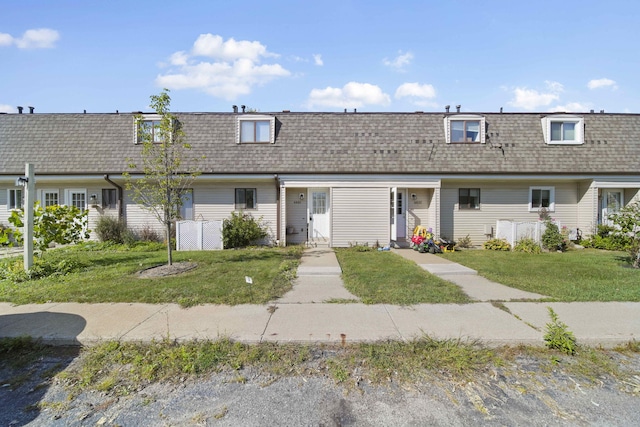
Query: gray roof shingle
x=326, y=143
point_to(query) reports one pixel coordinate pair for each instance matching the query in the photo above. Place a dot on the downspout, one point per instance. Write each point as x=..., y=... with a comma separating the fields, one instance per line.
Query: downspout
x=120, y=195
x=278, y=219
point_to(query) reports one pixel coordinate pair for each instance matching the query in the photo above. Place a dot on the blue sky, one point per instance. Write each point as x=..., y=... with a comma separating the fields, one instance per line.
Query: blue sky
x=69, y=56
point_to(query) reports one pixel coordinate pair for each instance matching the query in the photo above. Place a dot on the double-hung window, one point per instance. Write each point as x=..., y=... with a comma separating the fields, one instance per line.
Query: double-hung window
x=564, y=129
x=256, y=129
x=542, y=197
x=464, y=128
x=49, y=198
x=147, y=128
x=469, y=198
x=246, y=198
x=109, y=198
x=14, y=199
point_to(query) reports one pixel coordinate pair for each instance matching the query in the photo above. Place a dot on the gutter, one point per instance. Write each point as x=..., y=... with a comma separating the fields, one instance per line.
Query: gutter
x=120, y=196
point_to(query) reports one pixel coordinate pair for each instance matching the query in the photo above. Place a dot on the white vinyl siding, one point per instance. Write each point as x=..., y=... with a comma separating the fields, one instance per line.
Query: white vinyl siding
x=501, y=200
x=360, y=215
x=420, y=210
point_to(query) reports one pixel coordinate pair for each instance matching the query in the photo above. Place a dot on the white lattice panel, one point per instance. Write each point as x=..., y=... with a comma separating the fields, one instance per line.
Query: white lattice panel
x=198, y=235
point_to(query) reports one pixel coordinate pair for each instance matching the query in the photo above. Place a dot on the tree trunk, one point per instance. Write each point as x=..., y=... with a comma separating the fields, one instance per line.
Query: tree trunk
x=169, y=244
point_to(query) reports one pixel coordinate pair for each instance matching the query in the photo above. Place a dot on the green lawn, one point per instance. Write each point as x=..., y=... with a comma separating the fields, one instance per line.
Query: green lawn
x=380, y=277
x=110, y=276
x=575, y=275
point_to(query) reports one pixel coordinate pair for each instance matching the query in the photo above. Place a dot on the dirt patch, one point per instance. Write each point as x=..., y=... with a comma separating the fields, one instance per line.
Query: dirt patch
x=167, y=270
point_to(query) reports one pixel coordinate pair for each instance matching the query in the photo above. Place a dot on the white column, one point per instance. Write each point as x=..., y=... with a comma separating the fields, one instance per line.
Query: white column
x=29, y=199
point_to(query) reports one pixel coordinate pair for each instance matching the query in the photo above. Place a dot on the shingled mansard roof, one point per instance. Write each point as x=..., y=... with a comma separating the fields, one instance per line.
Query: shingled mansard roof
x=322, y=143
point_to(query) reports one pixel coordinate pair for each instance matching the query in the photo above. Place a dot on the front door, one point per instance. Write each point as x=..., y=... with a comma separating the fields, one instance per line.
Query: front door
x=398, y=214
x=612, y=201
x=318, y=214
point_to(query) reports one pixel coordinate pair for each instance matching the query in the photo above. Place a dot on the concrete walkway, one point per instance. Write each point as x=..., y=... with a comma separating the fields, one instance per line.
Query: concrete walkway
x=298, y=317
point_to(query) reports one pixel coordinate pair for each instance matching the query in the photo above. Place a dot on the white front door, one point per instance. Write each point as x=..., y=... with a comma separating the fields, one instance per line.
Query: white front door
x=398, y=213
x=612, y=201
x=318, y=202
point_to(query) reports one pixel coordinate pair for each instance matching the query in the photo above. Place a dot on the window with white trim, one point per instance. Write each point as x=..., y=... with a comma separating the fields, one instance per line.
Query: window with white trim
x=542, y=197
x=563, y=129
x=464, y=128
x=15, y=199
x=246, y=198
x=147, y=128
x=186, y=205
x=76, y=197
x=256, y=129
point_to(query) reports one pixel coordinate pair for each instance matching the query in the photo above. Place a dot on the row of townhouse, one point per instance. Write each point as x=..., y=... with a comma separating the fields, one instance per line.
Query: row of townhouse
x=341, y=178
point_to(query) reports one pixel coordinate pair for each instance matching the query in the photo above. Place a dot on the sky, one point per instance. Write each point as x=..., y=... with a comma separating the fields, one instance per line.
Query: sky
x=374, y=56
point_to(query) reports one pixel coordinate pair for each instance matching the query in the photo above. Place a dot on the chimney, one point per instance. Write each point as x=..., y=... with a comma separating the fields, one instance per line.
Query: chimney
x=458, y=108
x=243, y=107
x=235, y=108
x=446, y=108
x=20, y=110
x=31, y=110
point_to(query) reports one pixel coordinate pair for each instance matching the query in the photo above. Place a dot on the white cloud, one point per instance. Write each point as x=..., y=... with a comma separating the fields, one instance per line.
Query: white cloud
x=531, y=99
x=317, y=59
x=41, y=38
x=236, y=67
x=604, y=82
x=6, y=39
x=4, y=108
x=572, y=107
x=400, y=61
x=415, y=90
x=351, y=95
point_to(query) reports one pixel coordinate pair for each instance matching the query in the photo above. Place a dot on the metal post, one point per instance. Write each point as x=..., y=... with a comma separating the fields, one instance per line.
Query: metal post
x=29, y=198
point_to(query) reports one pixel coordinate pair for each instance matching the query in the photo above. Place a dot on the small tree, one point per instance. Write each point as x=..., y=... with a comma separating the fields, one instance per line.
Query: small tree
x=53, y=224
x=168, y=171
x=627, y=223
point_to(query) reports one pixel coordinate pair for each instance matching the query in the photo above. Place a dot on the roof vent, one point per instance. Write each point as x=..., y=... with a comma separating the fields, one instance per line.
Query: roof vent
x=500, y=110
x=20, y=110
x=446, y=108
x=31, y=110
x=591, y=111
x=235, y=108
x=244, y=107
x=458, y=108
x=355, y=111
x=601, y=111
x=286, y=111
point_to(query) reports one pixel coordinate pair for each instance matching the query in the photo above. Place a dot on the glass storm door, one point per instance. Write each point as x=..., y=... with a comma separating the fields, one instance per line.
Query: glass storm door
x=319, y=214
x=612, y=201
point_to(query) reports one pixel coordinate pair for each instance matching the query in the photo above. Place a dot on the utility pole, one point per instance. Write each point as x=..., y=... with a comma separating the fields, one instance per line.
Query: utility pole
x=29, y=199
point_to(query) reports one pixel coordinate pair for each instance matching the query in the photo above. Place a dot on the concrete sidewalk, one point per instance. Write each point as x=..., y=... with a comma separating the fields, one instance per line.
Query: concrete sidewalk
x=295, y=319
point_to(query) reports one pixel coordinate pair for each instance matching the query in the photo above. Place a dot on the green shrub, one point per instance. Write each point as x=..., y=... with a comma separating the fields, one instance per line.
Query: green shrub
x=14, y=270
x=527, y=245
x=558, y=336
x=497, y=245
x=552, y=239
x=607, y=238
x=464, y=242
x=110, y=229
x=241, y=230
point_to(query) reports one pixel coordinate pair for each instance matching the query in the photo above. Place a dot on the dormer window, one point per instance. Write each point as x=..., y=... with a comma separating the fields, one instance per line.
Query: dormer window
x=563, y=129
x=256, y=129
x=465, y=128
x=147, y=128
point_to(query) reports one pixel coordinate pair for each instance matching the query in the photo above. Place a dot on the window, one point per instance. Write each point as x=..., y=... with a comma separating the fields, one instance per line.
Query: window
x=77, y=198
x=469, y=198
x=541, y=197
x=147, y=128
x=256, y=129
x=246, y=198
x=186, y=208
x=109, y=198
x=14, y=199
x=464, y=129
x=49, y=198
x=563, y=129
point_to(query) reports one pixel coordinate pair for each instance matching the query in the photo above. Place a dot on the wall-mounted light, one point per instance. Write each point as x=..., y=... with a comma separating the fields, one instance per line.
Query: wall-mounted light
x=301, y=196
x=93, y=200
x=414, y=196
x=22, y=181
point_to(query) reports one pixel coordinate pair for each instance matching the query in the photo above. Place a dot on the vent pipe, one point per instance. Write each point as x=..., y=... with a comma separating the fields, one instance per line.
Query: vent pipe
x=235, y=108
x=601, y=111
x=458, y=108
x=500, y=110
x=446, y=108
x=243, y=107
x=20, y=110
x=355, y=111
x=31, y=110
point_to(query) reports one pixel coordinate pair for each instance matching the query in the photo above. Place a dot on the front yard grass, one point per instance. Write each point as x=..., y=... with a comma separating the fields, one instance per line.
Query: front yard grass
x=111, y=276
x=381, y=277
x=575, y=275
